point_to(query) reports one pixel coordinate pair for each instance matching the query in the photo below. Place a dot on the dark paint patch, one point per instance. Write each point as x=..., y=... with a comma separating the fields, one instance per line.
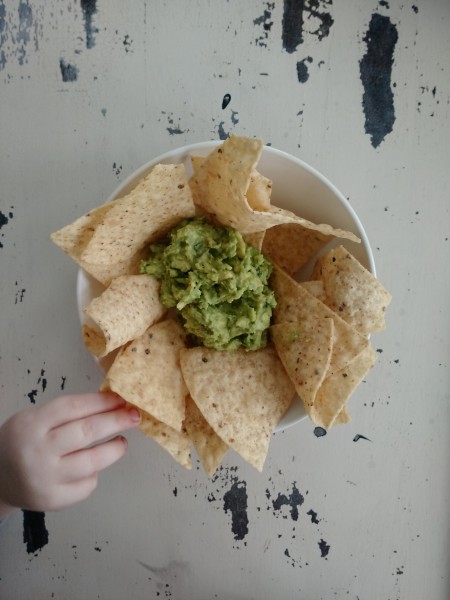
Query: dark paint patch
x=320, y=432
x=4, y=220
x=313, y=516
x=302, y=69
x=35, y=534
x=20, y=293
x=360, y=437
x=32, y=396
x=175, y=492
x=294, y=500
x=127, y=42
x=104, y=112
x=25, y=24
x=42, y=380
x=265, y=20
x=63, y=382
x=324, y=548
x=376, y=71
x=175, y=130
x=298, y=12
x=89, y=8
x=235, y=501
x=226, y=101
x=223, y=135
x=234, y=117
x=415, y=9
x=69, y=72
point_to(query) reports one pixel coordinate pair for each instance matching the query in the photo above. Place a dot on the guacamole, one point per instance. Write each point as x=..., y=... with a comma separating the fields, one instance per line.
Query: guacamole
x=217, y=282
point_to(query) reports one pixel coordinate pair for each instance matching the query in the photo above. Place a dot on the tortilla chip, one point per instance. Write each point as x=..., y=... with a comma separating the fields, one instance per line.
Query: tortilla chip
x=147, y=373
x=295, y=304
x=336, y=389
x=124, y=311
x=177, y=443
x=74, y=238
x=259, y=191
x=255, y=239
x=259, y=187
x=147, y=213
x=293, y=245
x=315, y=288
x=305, y=349
x=210, y=447
x=220, y=185
x=343, y=417
x=352, y=291
x=242, y=395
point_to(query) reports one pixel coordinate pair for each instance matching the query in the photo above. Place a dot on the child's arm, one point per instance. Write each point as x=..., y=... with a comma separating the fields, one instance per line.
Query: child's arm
x=45, y=461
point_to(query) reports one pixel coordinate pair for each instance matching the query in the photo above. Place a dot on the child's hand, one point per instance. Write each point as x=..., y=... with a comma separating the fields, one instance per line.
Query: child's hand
x=46, y=458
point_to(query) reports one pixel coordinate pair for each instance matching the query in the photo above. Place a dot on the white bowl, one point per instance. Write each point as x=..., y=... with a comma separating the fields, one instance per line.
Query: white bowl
x=297, y=187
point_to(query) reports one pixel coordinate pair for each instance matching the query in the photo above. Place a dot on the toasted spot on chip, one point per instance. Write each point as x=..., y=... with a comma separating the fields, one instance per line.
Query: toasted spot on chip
x=210, y=447
x=295, y=304
x=333, y=395
x=305, y=349
x=176, y=443
x=123, y=312
x=352, y=291
x=147, y=373
x=242, y=395
x=147, y=213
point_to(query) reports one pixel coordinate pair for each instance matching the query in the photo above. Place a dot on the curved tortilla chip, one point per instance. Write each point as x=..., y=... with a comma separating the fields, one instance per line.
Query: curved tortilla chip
x=160, y=201
x=124, y=311
x=242, y=395
x=352, y=291
x=333, y=395
x=210, y=447
x=176, y=443
x=220, y=184
x=305, y=350
x=147, y=374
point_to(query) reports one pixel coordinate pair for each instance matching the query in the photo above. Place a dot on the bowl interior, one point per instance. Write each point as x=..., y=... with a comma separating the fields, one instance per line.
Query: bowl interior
x=296, y=187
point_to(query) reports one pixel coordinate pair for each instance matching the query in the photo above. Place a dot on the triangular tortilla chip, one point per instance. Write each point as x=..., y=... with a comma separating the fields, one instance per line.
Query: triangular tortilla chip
x=210, y=447
x=124, y=311
x=176, y=443
x=336, y=389
x=292, y=245
x=305, y=350
x=74, y=238
x=242, y=396
x=295, y=304
x=147, y=213
x=147, y=373
x=352, y=291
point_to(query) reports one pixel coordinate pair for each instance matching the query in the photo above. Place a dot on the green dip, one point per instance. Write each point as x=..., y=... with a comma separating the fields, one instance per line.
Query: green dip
x=217, y=282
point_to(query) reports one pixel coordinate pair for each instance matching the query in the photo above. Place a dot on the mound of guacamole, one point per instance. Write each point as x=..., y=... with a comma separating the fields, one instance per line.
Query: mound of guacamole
x=217, y=283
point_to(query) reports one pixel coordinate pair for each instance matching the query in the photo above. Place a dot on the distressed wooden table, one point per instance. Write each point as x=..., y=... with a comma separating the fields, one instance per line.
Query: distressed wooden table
x=91, y=90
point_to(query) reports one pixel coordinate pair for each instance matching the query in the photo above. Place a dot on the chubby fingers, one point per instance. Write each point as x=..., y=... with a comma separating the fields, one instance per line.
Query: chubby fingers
x=65, y=409
x=85, y=464
x=78, y=434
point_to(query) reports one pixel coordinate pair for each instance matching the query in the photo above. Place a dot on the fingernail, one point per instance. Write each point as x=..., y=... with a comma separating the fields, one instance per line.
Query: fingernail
x=135, y=415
